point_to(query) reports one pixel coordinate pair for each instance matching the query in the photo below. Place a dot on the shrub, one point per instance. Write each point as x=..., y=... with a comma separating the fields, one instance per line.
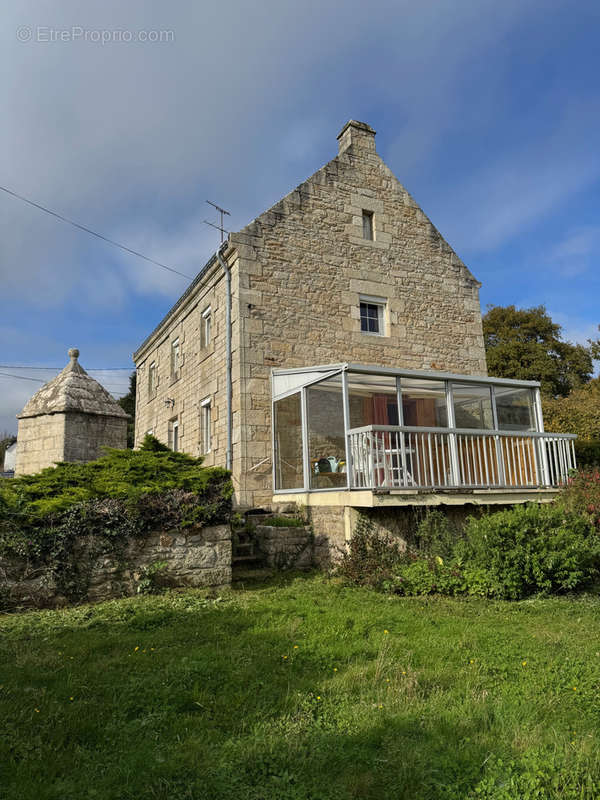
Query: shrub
x=528, y=549
x=66, y=516
x=587, y=452
x=371, y=558
x=436, y=535
x=581, y=495
x=509, y=555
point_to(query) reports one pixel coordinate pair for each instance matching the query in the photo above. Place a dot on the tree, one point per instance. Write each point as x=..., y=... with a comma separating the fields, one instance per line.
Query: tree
x=578, y=413
x=127, y=403
x=526, y=344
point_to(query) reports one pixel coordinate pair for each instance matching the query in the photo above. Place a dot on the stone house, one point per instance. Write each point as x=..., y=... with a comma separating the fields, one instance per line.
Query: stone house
x=71, y=418
x=331, y=353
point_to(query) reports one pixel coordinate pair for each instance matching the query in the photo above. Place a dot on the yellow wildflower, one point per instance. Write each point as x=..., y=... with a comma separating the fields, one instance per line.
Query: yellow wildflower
x=136, y=648
x=386, y=631
x=524, y=663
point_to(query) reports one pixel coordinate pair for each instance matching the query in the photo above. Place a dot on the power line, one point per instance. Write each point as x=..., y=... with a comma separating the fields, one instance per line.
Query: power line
x=93, y=233
x=37, y=380
x=87, y=369
x=21, y=377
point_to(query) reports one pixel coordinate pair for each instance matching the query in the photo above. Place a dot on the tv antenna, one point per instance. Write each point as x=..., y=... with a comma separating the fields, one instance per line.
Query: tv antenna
x=220, y=227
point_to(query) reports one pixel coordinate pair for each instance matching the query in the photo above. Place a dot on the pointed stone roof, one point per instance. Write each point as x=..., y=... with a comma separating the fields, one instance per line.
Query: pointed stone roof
x=72, y=390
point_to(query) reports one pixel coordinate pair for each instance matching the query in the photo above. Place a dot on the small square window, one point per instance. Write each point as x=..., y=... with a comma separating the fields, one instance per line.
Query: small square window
x=368, y=229
x=372, y=317
x=205, y=330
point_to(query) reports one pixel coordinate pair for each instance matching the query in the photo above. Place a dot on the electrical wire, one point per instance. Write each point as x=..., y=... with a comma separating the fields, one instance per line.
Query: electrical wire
x=93, y=233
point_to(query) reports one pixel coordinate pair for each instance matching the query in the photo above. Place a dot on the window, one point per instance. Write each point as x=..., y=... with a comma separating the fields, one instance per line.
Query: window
x=205, y=426
x=472, y=406
x=372, y=315
x=152, y=379
x=368, y=230
x=174, y=435
x=205, y=327
x=288, y=442
x=175, y=358
x=515, y=409
x=326, y=439
x=424, y=403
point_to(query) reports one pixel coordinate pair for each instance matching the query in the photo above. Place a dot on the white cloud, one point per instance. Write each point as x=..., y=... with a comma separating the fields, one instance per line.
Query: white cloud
x=574, y=253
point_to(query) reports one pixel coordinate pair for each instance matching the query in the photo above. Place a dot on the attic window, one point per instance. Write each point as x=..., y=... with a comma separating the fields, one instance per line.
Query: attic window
x=368, y=229
x=372, y=315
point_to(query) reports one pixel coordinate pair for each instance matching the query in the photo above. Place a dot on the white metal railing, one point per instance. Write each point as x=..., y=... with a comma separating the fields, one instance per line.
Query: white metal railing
x=389, y=457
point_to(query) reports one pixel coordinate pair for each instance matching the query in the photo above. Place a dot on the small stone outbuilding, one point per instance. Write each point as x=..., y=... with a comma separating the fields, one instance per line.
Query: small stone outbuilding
x=71, y=418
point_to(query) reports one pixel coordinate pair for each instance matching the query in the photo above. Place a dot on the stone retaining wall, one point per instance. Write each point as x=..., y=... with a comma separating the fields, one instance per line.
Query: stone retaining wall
x=286, y=547
x=196, y=557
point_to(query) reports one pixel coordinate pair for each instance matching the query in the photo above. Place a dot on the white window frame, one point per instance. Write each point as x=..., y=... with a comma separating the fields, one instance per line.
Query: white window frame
x=152, y=379
x=206, y=329
x=175, y=358
x=206, y=425
x=174, y=434
x=381, y=303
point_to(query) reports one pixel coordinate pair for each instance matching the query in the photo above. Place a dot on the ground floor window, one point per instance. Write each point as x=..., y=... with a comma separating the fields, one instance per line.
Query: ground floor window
x=205, y=426
x=174, y=435
x=288, y=443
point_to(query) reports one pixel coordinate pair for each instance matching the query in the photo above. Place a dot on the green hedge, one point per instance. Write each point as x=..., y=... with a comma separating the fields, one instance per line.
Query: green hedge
x=123, y=495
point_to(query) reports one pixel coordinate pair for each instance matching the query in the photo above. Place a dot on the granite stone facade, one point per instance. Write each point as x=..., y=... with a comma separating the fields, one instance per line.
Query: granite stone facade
x=298, y=273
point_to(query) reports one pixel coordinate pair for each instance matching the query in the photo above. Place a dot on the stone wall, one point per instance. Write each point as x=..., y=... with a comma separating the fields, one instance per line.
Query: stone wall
x=194, y=558
x=40, y=443
x=87, y=434
x=285, y=547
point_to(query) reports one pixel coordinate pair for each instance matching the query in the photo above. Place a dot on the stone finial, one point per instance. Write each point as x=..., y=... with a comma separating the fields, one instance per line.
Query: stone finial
x=73, y=354
x=357, y=134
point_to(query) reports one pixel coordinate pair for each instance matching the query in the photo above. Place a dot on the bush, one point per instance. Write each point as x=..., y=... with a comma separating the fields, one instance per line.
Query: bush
x=66, y=516
x=581, y=495
x=508, y=555
x=528, y=549
x=371, y=558
x=587, y=452
x=436, y=535
x=124, y=474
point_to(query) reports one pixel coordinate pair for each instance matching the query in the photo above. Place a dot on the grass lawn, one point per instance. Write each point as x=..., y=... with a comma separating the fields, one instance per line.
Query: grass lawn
x=301, y=688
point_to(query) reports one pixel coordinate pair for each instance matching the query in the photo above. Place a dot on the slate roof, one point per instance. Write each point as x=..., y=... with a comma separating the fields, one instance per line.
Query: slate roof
x=72, y=390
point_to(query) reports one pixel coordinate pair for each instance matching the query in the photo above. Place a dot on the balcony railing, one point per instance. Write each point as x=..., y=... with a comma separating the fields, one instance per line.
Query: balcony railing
x=387, y=457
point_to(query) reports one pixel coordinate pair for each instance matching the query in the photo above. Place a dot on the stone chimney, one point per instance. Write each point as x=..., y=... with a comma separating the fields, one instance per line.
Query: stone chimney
x=357, y=135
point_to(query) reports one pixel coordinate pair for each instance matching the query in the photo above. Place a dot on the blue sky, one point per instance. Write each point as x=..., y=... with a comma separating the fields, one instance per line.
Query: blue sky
x=488, y=113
